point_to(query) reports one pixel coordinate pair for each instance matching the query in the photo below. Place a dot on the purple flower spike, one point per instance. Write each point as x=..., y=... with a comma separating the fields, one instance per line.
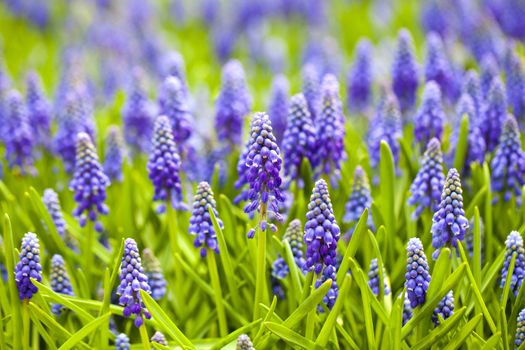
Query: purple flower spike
x=244, y=343
x=449, y=223
x=434, y=17
x=373, y=278
x=508, y=164
x=471, y=86
x=407, y=310
x=153, y=271
x=311, y=88
x=279, y=271
x=89, y=183
x=331, y=130
x=321, y=234
x=115, y=154
x=425, y=190
x=489, y=70
x=172, y=65
x=28, y=266
x=18, y=135
x=39, y=110
x=263, y=163
x=437, y=66
x=515, y=78
x=173, y=104
x=430, y=118
x=159, y=338
x=404, y=72
x=278, y=106
x=494, y=115
x=122, y=342
x=360, y=199
x=52, y=205
x=164, y=166
x=294, y=236
x=514, y=245
x=417, y=277
x=60, y=282
x=132, y=280
x=299, y=139
x=520, y=329
x=360, y=78
x=445, y=308
x=233, y=103
x=201, y=225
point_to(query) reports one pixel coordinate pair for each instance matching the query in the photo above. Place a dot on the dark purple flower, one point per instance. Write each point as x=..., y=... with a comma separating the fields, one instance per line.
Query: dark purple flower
x=488, y=71
x=153, y=271
x=360, y=199
x=164, y=166
x=520, y=329
x=515, y=85
x=89, y=183
x=438, y=67
x=508, y=164
x=59, y=280
x=115, y=154
x=373, y=278
x=159, y=338
x=173, y=104
x=360, y=78
x=430, y=117
x=28, y=266
x=321, y=234
x=132, y=280
x=122, y=342
x=514, y=245
x=417, y=277
x=425, y=190
x=449, y=223
x=201, y=225
x=445, y=308
x=173, y=65
x=244, y=343
x=404, y=72
x=279, y=105
x=39, y=110
x=494, y=115
x=311, y=88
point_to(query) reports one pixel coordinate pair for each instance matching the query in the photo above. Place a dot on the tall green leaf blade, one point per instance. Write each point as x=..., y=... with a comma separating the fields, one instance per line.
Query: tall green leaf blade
x=84, y=331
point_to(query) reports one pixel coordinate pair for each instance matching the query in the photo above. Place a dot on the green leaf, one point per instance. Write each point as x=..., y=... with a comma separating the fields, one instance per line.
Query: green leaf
x=84, y=331
x=492, y=342
x=306, y=176
x=9, y=251
x=235, y=334
x=461, y=146
x=387, y=180
x=440, y=330
x=440, y=273
x=465, y=332
x=289, y=336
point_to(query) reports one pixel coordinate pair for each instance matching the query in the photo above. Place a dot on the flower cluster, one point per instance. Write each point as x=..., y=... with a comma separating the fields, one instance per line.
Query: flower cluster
x=52, y=204
x=201, y=225
x=279, y=271
x=278, y=106
x=294, y=236
x=173, y=65
x=520, y=329
x=444, y=309
x=495, y=114
x=417, y=277
x=425, y=190
x=360, y=78
x=122, y=342
x=471, y=87
x=449, y=223
x=153, y=271
x=28, y=266
x=360, y=199
x=311, y=89
x=114, y=154
x=173, y=104
x=515, y=78
x=514, y=245
x=373, y=278
x=89, y=183
x=244, y=343
x=60, y=282
x=404, y=71
x=489, y=70
x=132, y=280
x=39, y=110
x=437, y=66
x=430, y=118
x=159, y=338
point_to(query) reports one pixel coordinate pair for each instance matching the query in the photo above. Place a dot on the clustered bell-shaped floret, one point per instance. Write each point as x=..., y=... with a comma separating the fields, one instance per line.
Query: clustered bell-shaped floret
x=28, y=266
x=417, y=277
x=445, y=308
x=514, y=245
x=373, y=278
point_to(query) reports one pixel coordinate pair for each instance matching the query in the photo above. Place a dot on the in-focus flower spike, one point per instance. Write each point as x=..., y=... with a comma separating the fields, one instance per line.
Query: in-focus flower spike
x=294, y=236
x=52, y=203
x=407, y=310
x=469, y=237
x=153, y=271
x=321, y=234
x=330, y=131
x=279, y=105
x=471, y=86
x=404, y=71
x=164, y=166
x=449, y=223
x=244, y=343
x=445, y=308
x=173, y=65
x=520, y=329
x=159, y=338
x=430, y=117
x=263, y=163
x=89, y=183
x=201, y=225
x=360, y=199
x=494, y=115
x=425, y=190
x=173, y=104
x=299, y=139
x=137, y=115
x=373, y=278
x=417, y=277
x=122, y=342
x=514, y=245
x=515, y=78
x=115, y=154
x=360, y=78
x=39, y=110
x=311, y=88
x=233, y=104
x=437, y=66
x=132, y=280
x=508, y=164
x=28, y=266
x=60, y=282
x=18, y=136
x=488, y=71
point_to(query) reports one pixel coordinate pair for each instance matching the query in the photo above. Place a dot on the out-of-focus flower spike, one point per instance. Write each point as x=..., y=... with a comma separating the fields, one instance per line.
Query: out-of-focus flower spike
x=515, y=78
x=159, y=338
x=489, y=70
x=404, y=72
x=407, y=310
x=494, y=115
x=60, y=282
x=115, y=154
x=122, y=342
x=360, y=199
x=373, y=278
x=430, y=118
x=360, y=78
x=417, y=277
x=437, y=66
x=153, y=271
x=294, y=236
x=471, y=86
x=278, y=106
x=311, y=88
x=520, y=329
x=201, y=225
x=28, y=266
x=172, y=64
x=244, y=343
x=434, y=17
x=445, y=308
x=514, y=245
x=39, y=110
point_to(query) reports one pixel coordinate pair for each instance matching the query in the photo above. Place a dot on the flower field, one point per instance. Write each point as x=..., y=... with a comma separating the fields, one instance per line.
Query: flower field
x=249, y=174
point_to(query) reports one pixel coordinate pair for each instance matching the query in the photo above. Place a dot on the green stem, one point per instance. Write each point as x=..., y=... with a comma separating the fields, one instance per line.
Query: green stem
x=144, y=337
x=260, y=280
x=172, y=229
x=88, y=251
x=26, y=324
x=216, y=285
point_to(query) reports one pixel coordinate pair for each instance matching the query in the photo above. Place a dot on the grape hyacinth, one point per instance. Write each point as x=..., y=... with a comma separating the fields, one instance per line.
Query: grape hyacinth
x=173, y=104
x=153, y=271
x=279, y=105
x=508, y=164
x=360, y=199
x=89, y=183
x=201, y=225
x=18, y=135
x=515, y=78
x=437, y=66
x=425, y=190
x=279, y=271
x=321, y=234
x=489, y=70
x=263, y=164
x=173, y=65
x=244, y=343
x=132, y=280
x=59, y=280
x=39, y=110
x=311, y=89
x=471, y=86
x=373, y=278
x=242, y=173
x=52, y=204
x=164, y=166
x=407, y=310
x=114, y=155
x=417, y=277
x=294, y=236
x=445, y=308
x=122, y=342
x=360, y=78
x=514, y=245
x=520, y=329
x=449, y=223
x=330, y=131
x=494, y=116
x=28, y=266
x=233, y=103
x=430, y=118
x=404, y=72
x=299, y=138
x=159, y=338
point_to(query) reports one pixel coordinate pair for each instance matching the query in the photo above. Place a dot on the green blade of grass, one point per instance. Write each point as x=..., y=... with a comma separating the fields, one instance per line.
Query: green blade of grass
x=461, y=336
x=235, y=334
x=289, y=336
x=461, y=146
x=84, y=331
x=440, y=331
x=9, y=252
